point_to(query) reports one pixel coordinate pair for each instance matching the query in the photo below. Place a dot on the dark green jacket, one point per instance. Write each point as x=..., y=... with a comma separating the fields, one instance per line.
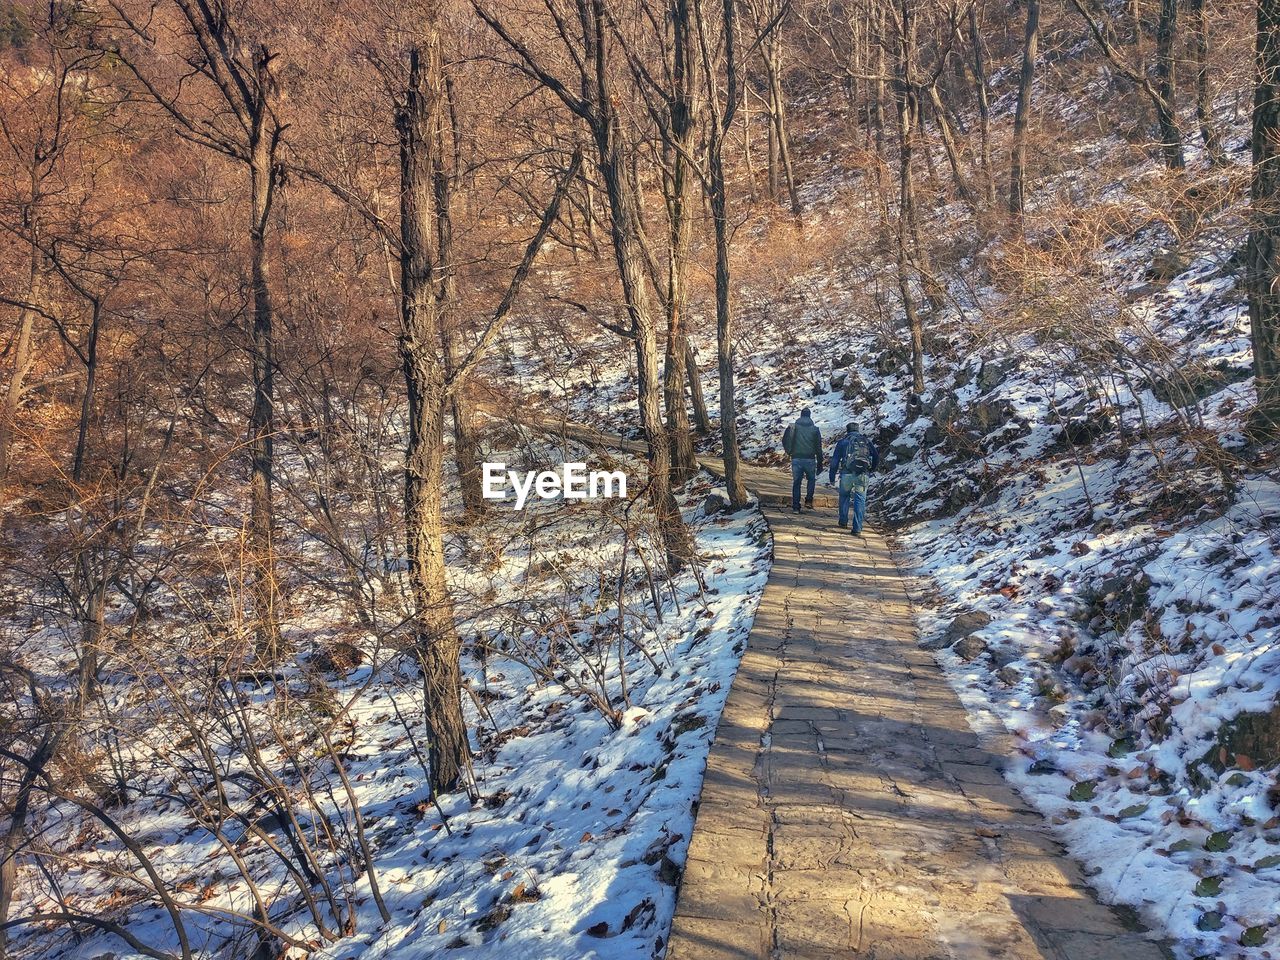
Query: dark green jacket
x=803, y=439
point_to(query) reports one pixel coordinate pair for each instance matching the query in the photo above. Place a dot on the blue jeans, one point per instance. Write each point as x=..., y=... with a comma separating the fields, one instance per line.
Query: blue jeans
x=801, y=468
x=853, y=491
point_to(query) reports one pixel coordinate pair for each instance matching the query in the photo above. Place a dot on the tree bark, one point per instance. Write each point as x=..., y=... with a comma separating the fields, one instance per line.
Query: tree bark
x=623, y=215
x=1022, y=114
x=722, y=114
x=436, y=641
x=23, y=360
x=1204, y=98
x=949, y=146
x=263, y=170
x=681, y=131
x=701, y=419
x=908, y=241
x=594, y=102
x=1159, y=94
x=984, y=104
x=1264, y=235
x=466, y=438
x=1166, y=84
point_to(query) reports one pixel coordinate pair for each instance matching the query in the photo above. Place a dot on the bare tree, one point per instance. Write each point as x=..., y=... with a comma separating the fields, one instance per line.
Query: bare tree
x=421, y=122
x=767, y=17
x=244, y=125
x=590, y=94
x=1021, y=117
x=1160, y=94
x=907, y=249
x=1204, y=97
x=1264, y=235
x=725, y=93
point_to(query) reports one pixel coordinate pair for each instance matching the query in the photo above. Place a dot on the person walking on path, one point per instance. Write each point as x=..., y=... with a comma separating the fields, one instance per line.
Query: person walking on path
x=855, y=457
x=803, y=443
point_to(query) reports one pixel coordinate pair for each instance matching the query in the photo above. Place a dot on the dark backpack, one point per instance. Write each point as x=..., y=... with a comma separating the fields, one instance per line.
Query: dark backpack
x=857, y=455
x=789, y=440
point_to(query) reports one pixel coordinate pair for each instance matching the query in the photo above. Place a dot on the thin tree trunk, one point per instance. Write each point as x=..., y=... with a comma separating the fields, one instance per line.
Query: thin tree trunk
x=631, y=270
x=1022, y=114
x=949, y=146
x=984, y=104
x=436, y=640
x=1166, y=84
x=466, y=438
x=682, y=133
x=589, y=215
x=23, y=360
x=1204, y=98
x=1160, y=94
x=1264, y=236
x=722, y=114
x=877, y=120
x=15, y=837
x=262, y=175
x=908, y=120
x=778, y=114
x=701, y=420
x=724, y=331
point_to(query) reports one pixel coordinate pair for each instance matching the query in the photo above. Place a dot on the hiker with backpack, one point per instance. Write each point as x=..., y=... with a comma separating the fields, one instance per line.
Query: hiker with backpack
x=855, y=457
x=803, y=443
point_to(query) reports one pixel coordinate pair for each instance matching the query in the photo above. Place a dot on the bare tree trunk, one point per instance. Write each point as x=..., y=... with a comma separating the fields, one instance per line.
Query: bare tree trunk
x=466, y=438
x=722, y=114
x=436, y=640
x=1204, y=98
x=263, y=170
x=23, y=360
x=701, y=420
x=15, y=837
x=908, y=122
x=779, y=116
x=682, y=131
x=589, y=215
x=724, y=331
x=1026, y=84
x=949, y=146
x=877, y=117
x=1159, y=95
x=1264, y=236
x=631, y=269
x=594, y=103
x=1166, y=84
x=984, y=104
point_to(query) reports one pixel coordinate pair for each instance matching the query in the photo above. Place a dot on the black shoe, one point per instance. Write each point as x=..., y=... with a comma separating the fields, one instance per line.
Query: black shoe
x=795, y=509
x=808, y=504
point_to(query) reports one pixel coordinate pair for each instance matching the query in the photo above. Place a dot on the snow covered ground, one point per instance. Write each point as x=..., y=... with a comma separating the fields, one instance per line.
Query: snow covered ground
x=594, y=692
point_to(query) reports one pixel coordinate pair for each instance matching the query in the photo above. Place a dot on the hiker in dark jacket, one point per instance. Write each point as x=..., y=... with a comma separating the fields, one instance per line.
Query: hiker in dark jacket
x=803, y=443
x=855, y=457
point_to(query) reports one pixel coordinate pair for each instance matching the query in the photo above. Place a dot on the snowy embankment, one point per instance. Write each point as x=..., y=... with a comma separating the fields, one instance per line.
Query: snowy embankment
x=580, y=840
x=593, y=687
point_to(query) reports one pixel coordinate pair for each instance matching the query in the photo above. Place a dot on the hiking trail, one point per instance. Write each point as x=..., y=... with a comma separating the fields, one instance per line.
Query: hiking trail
x=848, y=810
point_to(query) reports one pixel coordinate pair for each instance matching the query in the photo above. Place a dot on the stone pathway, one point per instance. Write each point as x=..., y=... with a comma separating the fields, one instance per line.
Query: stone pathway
x=848, y=810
